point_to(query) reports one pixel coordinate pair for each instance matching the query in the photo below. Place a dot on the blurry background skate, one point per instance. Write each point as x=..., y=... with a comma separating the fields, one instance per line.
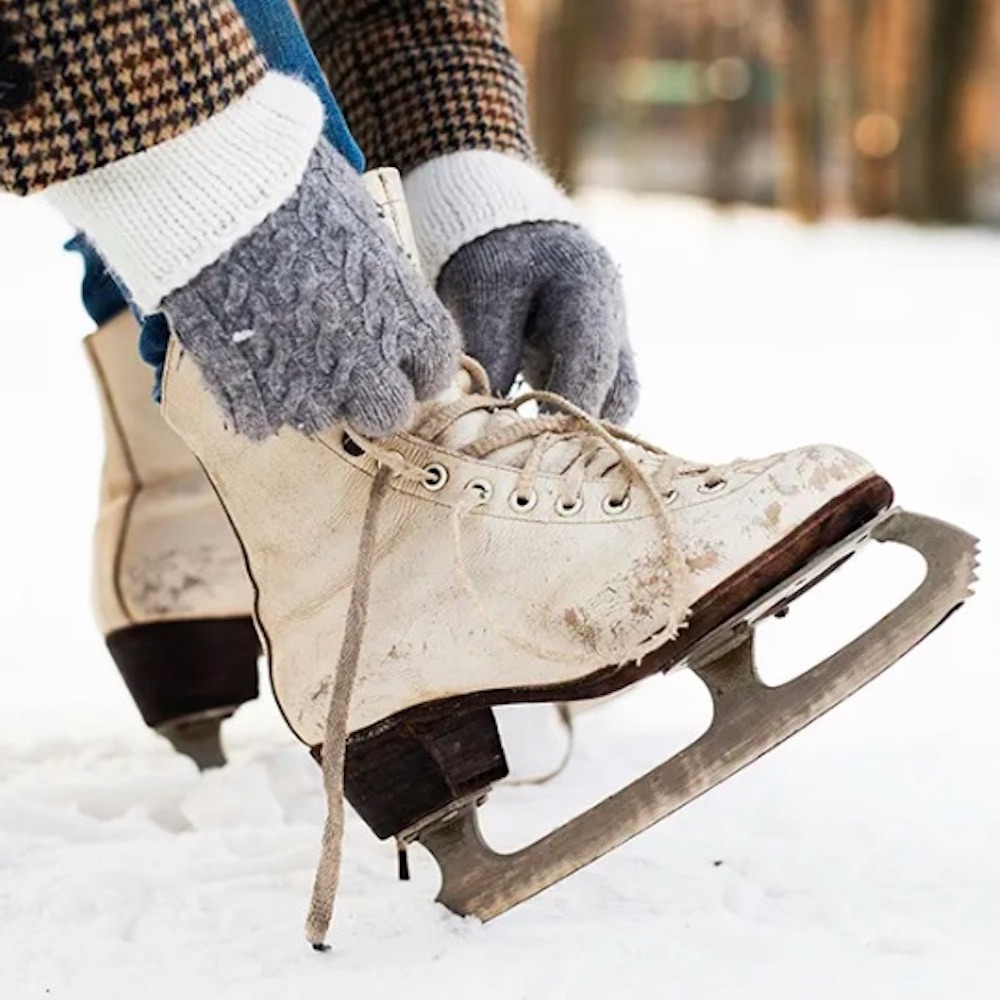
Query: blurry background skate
x=171, y=594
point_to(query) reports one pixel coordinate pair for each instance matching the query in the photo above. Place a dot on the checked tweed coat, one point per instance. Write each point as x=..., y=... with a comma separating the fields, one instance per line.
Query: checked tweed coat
x=84, y=83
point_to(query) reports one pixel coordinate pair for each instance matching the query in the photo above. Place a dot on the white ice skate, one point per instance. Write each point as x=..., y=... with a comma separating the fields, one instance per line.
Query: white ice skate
x=171, y=595
x=407, y=586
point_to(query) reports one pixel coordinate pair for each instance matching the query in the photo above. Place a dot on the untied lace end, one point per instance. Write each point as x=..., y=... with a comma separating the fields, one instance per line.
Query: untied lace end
x=335, y=736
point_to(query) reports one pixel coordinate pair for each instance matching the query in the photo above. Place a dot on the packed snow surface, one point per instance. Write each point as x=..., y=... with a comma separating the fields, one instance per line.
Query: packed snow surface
x=859, y=860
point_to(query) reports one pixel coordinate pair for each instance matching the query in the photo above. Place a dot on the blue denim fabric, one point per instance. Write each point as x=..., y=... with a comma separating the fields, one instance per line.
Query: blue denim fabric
x=281, y=41
x=102, y=297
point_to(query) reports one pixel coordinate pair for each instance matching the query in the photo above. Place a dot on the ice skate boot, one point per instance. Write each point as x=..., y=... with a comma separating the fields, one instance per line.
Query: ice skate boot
x=483, y=558
x=171, y=593
x=404, y=587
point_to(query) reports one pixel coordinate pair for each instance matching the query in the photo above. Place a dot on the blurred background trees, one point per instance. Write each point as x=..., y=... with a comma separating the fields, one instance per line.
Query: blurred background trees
x=872, y=107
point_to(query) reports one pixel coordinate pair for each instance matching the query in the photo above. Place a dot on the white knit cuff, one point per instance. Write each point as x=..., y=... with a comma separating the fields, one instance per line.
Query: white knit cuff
x=457, y=198
x=161, y=216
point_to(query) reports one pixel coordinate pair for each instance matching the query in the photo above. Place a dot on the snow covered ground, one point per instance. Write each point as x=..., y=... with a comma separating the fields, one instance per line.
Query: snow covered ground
x=858, y=861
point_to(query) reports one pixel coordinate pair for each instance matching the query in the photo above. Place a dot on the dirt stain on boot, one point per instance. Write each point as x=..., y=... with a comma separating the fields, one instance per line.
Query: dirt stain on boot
x=582, y=628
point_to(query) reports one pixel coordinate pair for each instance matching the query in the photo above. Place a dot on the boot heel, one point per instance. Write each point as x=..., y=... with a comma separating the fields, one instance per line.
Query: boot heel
x=409, y=771
x=179, y=670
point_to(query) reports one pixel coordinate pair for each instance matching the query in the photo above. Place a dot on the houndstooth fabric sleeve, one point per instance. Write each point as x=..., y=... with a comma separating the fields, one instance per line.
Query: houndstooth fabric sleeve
x=421, y=78
x=83, y=83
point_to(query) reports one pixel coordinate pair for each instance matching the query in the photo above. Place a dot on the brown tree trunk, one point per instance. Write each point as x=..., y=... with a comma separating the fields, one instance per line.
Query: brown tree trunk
x=935, y=182
x=874, y=123
x=565, y=59
x=799, y=111
x=727, y=115
x=524, y=28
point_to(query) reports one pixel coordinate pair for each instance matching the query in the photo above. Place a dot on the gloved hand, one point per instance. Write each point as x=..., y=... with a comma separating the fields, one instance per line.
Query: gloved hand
x=545, y=299
x=533, y=292
x=262, y=247
x=317, y=316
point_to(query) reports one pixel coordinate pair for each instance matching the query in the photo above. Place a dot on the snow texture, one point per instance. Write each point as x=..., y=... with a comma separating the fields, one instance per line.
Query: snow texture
x=860, y=860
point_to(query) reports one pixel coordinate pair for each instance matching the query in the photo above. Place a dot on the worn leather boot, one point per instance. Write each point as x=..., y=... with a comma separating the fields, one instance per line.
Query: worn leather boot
x=407, y=585
x=171, y=592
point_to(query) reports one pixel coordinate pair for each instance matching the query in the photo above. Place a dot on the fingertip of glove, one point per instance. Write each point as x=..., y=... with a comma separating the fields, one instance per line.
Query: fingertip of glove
x=623, y=398
x=381, y=402
x=431, y=370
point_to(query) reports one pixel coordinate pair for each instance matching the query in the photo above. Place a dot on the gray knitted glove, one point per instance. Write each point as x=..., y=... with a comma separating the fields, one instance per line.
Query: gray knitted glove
x=317, y=316
x=545, y=299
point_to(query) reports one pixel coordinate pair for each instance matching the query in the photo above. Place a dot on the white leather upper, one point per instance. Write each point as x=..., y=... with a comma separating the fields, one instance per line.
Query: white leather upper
x=492, y=599
x=163, y=548
x=471, y=592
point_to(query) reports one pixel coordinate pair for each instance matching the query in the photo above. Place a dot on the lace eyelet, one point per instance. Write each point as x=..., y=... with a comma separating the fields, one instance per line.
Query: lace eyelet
x=670, y=497
x=351, y=446
x=569, y=509
x=523, y=504
x=482, y=487
x=710, y=486
x=436, y=477
x=616, y=505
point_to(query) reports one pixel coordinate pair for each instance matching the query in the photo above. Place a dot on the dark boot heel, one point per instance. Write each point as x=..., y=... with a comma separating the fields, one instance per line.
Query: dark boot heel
x=187, y=676
x=410, y=771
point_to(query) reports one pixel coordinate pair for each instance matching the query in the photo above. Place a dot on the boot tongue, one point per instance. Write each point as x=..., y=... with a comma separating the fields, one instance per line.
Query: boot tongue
x=471, y=380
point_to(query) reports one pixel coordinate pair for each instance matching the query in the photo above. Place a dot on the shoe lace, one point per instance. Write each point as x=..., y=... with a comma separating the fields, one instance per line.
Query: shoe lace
x=597, y=448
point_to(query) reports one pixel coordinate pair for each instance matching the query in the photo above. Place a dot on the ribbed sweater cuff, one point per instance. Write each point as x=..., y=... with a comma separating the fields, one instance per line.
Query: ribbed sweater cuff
x=457, y=198
x=161, y=216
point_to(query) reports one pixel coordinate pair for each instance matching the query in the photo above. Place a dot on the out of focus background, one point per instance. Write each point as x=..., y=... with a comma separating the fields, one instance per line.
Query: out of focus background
x=847, y=107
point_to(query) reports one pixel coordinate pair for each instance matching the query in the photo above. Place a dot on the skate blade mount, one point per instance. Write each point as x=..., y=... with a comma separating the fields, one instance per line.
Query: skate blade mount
x=199, y=737
x=749, y=719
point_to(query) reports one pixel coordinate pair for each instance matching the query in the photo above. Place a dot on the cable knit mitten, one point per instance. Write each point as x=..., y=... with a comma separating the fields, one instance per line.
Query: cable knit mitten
x=533, y=292
x=260, y=244
x=317, y=316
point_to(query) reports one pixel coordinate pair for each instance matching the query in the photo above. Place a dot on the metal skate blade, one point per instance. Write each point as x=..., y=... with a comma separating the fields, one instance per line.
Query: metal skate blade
x=749, y=719
x=199, y=738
